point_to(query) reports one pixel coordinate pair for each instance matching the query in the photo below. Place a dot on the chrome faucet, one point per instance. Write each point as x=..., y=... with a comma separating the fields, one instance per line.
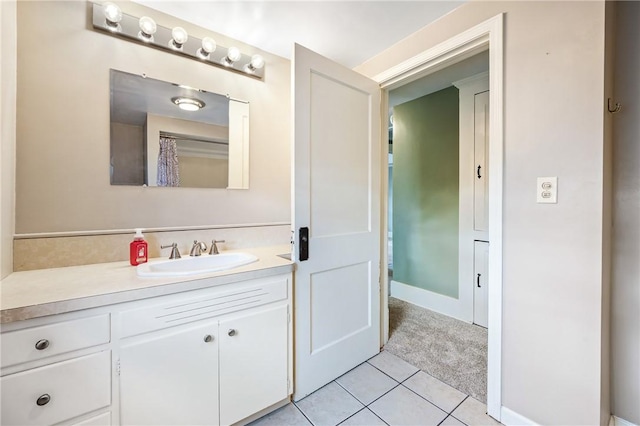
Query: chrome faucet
x=214, y=246
x=175, y=254
x=198, y=248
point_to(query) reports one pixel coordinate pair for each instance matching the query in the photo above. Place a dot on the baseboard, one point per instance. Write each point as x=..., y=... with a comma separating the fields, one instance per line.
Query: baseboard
x=617, y=421
x=511, y=418
x=433, y=301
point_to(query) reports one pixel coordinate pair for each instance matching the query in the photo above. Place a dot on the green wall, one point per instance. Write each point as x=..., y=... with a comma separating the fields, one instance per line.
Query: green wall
x=425, y=192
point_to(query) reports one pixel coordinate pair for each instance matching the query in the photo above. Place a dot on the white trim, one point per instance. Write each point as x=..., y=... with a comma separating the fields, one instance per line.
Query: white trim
x=146, y=230
x=511, y=418
x=436, y=302
x=617, y=421
x=488, y=34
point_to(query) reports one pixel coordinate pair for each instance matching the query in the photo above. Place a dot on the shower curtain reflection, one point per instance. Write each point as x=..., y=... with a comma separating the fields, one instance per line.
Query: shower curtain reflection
x=168, y=170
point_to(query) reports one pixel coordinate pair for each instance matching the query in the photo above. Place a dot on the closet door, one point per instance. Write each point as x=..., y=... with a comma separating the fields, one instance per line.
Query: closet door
x=481, y=155
x=481, y=283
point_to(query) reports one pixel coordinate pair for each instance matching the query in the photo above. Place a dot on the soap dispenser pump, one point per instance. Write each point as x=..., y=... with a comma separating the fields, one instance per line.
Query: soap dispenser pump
x=138, y=249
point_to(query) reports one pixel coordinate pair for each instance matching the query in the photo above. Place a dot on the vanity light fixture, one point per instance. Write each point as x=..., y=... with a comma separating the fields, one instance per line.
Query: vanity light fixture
x=188, y=104
x=179, y=37
x=113, y=16
x=148, y=28
x=257, y=62
x=233, y=54
x=109, y=18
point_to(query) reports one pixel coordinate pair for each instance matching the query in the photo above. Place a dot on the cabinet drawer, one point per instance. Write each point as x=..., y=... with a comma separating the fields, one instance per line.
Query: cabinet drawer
x=175, y=310
x=73, y=387
x=30, y=344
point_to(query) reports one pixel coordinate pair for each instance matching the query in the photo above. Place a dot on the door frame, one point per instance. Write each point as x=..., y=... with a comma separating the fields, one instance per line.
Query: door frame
x=487, y=35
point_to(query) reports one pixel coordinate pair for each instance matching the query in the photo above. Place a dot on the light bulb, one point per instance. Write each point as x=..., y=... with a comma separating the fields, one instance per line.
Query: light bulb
x=180, y=37
x=257, y=61
x=208, y=46
x=112, y=14
x=148, y=28
x=233, y=54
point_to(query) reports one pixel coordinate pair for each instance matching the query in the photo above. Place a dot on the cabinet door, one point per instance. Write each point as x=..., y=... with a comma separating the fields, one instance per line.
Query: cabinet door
x=171, y=377
x=253, y=363
x=481, y=283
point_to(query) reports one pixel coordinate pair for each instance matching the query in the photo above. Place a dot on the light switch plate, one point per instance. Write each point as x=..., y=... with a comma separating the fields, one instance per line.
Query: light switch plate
x=547, y=190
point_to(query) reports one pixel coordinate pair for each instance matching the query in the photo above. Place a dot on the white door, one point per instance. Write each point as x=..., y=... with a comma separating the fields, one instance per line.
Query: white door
x=337, y=197
x=481, y=283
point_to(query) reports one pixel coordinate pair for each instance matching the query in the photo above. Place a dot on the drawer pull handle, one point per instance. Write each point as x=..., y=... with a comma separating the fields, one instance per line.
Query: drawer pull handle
x=231, y=332
x=43, y=399
x=42, y=344
x=208, y=338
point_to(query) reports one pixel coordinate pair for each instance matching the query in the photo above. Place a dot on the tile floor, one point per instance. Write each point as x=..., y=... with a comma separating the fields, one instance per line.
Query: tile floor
x=385, y=390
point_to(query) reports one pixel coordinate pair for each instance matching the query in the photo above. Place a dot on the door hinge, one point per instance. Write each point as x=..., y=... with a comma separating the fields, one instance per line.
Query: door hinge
x=118, y=367
x=288, y=314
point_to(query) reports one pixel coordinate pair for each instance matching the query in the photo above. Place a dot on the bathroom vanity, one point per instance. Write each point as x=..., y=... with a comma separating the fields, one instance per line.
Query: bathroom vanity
x=98, y=345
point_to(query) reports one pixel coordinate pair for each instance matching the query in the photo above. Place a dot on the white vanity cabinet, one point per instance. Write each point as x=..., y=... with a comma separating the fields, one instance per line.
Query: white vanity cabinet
x=208, y=357
x=220, y=353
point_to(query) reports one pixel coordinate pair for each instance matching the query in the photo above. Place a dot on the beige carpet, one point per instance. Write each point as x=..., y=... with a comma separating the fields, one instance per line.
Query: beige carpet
x=448, y=349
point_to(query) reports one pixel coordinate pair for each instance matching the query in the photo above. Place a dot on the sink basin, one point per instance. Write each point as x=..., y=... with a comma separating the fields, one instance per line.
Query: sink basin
x=189, y=265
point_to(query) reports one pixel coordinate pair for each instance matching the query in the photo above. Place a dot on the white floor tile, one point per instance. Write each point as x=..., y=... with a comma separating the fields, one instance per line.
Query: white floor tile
x=473, y=413
x=329, y=405
x=393, y=366
x=366, y=383
x=288, y=415
x=435, y=391
x=363, y=418
x=451, y=421
x=403, y=407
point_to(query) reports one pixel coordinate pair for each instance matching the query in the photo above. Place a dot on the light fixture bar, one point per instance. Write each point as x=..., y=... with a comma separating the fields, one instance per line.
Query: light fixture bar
x=129, y=29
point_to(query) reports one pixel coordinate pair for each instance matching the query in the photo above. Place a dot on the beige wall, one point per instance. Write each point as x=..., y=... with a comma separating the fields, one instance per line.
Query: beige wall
x=127, y=154
x=626, y=246
x=62, y=171
x=201, y=172
x=7, y=133
x=553, y=254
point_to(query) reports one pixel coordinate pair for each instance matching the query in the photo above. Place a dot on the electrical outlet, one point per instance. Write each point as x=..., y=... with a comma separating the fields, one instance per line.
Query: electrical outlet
x=547, y=190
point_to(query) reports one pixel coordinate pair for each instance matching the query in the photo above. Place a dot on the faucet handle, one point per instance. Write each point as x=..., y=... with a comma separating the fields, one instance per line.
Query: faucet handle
x=214, y=246
x=175, y=254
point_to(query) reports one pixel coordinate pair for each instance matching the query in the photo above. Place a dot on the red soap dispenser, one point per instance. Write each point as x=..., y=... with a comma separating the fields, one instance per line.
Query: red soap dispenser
x=138, y=249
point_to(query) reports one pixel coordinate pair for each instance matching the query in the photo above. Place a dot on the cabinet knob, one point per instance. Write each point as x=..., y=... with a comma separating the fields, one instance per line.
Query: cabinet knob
x=208, y=338
x=231, y=332
x=42, y=344
x=43, y=399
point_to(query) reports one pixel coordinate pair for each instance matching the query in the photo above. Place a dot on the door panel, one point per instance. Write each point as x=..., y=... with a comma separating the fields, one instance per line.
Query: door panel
x=337, y=195
x=481, y=283
x=338, y=309
x=481, y=155
x=339, y=157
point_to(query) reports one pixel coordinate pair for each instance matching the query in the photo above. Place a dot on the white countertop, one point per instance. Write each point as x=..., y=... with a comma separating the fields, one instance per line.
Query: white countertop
x=42, y=292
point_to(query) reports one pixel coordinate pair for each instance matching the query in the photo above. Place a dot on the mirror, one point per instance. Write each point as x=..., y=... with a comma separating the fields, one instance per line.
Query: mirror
x=166, y=134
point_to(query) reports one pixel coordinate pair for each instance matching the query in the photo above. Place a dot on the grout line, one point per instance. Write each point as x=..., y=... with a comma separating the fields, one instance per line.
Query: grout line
x=397, y=384
x=302, y=412
x=395, y=380
x=347, y=391
x=456, y=407
x=363, y=408
x=415, y=393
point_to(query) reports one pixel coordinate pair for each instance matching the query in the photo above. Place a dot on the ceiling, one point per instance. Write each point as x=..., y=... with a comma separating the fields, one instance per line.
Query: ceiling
x=349, y=32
